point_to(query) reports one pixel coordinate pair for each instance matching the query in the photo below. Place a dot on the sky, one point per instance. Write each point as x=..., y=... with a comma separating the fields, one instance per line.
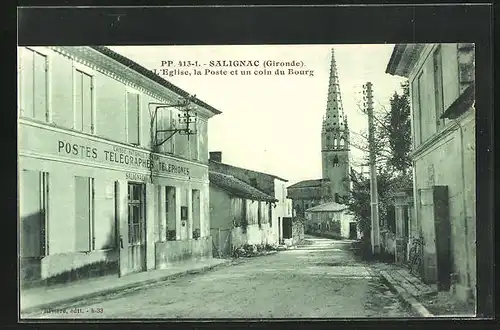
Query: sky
x=270, y=122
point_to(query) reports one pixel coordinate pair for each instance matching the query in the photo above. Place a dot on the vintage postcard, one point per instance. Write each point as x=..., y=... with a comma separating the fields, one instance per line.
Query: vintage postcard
x=247, y=181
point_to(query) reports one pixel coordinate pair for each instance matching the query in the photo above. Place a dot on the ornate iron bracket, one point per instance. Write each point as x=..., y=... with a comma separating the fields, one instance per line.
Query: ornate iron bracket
x=187, y=118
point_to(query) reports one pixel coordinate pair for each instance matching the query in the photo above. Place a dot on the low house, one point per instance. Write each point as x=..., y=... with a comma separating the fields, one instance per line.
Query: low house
x=239, y=214
x=331, y=220
x=269, y=184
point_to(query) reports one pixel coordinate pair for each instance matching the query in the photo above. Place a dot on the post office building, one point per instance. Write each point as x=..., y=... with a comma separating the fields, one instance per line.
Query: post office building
x=112, y=166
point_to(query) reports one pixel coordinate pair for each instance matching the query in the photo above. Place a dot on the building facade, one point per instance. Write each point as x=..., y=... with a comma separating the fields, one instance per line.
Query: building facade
x=95, y=188
x=441, y=80
x=269, y=184
x=334, y=184
x=333, y=220
x=240, y=213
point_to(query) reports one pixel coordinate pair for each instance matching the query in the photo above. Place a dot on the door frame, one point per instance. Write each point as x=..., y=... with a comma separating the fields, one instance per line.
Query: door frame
x=142, y=243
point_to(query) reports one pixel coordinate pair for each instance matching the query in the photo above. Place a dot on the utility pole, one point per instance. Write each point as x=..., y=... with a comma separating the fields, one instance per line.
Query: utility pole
x=375, y=229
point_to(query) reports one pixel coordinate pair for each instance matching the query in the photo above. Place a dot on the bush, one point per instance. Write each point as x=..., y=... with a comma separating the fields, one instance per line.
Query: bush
x=250, y=250
x=270, y=247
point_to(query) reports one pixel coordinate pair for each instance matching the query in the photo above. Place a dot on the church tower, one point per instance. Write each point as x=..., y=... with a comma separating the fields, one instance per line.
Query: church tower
x=335, y=141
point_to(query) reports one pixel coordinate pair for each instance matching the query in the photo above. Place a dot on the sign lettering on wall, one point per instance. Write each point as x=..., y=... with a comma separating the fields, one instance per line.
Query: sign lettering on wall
x=46, y=141
x=120, y=155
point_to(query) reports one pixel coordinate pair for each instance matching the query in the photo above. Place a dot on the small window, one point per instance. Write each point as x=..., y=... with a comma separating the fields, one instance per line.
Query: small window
x=270, y=215
x=253, y=182
x=259, y=214
x=335, y=160
x=184, y=213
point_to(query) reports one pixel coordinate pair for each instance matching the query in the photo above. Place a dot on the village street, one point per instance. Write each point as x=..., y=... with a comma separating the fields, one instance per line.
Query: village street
x=317, y=280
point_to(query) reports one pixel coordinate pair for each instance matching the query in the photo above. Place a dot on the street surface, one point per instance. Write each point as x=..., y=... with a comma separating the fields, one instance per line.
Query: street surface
x=318, y=280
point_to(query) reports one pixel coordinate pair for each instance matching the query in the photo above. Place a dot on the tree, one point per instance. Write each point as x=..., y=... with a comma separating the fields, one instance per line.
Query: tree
x=392, y=148
x=397, y=130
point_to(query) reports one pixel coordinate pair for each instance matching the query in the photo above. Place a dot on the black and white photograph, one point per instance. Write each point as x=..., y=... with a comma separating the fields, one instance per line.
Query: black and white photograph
x=257, y=181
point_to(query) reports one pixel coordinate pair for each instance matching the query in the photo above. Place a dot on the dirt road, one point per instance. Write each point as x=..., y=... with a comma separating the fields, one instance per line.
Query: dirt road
x=317, y=280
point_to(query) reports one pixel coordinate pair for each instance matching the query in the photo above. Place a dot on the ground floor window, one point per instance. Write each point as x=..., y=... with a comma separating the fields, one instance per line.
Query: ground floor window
x=259, y=213
x=84, y=214
x=34, y=192
x=196, y=207
x=270, y=214
x=170, y=213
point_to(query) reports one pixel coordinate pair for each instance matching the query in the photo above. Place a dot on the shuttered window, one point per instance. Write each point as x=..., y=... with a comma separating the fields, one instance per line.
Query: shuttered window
x=438, y=87
x=84, y=118
x=84, y=214
x=34, y=191
x=133, y=112
x=33, y=84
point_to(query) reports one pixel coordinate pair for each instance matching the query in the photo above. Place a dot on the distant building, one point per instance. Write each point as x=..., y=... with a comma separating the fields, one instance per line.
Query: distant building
x=442, y=92
x=331, y=219
x=96, y=195
x=334, y=184
x=270, y=185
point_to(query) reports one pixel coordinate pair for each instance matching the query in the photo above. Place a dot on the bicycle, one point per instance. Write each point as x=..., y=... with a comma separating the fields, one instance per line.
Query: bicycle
x=415, y=257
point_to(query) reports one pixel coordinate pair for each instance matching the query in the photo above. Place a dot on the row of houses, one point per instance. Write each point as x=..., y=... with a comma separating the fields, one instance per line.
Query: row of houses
x=114, y=174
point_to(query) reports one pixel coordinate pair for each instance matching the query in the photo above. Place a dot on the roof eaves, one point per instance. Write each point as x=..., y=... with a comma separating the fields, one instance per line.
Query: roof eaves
x=247, y=169
x=240, y=188
x=150, y=75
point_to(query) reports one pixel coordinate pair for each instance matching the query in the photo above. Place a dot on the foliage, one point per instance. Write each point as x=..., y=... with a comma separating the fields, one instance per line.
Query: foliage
x=399, y=130
x=359, y=202
x=392, y=145
x=253, y=250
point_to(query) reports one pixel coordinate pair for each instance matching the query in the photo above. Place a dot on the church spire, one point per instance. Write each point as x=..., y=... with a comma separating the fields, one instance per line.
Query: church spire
x=335, y=118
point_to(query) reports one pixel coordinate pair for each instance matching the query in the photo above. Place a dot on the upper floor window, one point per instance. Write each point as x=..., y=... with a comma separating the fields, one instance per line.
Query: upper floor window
x=253, y=182
x=83, y=98
x=419, y=114
x=133, y=118
x=33, y=81
x=193, y=142
x=165, y=121
x=438, y=86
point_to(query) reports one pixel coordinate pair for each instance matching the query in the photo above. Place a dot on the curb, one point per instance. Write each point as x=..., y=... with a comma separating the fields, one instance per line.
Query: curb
x=406, y=297
x=135, y=285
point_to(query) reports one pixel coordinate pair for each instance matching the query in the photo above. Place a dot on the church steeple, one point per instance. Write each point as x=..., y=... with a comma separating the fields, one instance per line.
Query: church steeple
x=334, y=120
x=335, y=141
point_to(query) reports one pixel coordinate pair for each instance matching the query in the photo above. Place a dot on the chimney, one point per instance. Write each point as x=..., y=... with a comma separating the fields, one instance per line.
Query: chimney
x=216, y=156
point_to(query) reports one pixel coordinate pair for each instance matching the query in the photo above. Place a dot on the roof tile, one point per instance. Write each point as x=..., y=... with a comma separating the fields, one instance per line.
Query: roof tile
x=238, y=187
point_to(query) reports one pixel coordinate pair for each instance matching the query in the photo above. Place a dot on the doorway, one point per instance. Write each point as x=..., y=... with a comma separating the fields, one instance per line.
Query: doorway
x=353, y=230
x=136, y=227
x=287, y=227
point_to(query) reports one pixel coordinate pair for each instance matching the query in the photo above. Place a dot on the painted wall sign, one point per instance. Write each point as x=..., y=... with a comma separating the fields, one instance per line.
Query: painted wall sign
x=137, y=177
x=47, y=141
